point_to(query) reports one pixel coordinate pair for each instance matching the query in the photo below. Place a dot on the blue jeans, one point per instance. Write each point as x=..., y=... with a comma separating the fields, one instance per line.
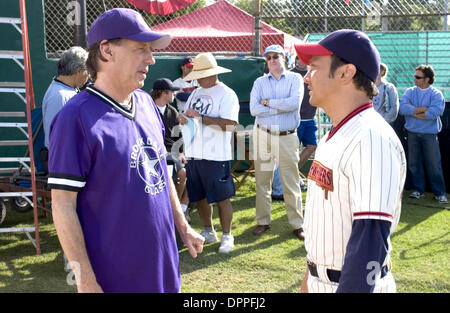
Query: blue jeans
x=424, y=149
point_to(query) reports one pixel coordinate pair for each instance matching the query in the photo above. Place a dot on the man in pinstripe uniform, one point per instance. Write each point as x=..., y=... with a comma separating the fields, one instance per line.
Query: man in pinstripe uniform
x=356, y=180
x=275, y=101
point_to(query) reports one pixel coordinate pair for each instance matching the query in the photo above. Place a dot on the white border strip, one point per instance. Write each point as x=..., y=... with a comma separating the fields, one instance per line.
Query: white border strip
x=66, y=182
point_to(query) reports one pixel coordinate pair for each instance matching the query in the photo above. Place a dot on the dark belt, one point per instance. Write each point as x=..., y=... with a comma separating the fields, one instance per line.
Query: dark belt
x=281, y=133
x=334, y=275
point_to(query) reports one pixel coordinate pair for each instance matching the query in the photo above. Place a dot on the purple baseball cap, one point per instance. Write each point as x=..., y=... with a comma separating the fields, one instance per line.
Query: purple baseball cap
x=350, y=45
x=127, y=24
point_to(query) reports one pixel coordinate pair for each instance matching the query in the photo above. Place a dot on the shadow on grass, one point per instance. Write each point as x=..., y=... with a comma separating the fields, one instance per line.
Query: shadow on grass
x=415, y=211
x=245, y=243
x=42, y=276
x=21, y=270
x=445, y=244
x=405, y=285
x=294, y=288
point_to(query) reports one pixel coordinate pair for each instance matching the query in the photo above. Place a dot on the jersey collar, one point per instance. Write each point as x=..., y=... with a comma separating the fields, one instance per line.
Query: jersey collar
x=358, y=110
x=131, y=114
x=60, y=82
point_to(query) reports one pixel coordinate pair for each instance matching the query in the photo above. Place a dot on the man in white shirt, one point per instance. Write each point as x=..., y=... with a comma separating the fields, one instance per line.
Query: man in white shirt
x=216, y=107
x=186, y=87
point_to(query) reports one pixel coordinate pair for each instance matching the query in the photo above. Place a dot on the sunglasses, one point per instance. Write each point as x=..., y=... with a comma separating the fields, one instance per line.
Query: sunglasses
x=275, y=57
x=419, y=77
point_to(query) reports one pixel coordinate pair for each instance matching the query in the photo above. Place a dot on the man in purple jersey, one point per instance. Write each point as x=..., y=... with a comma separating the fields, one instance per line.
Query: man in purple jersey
x=114, y=204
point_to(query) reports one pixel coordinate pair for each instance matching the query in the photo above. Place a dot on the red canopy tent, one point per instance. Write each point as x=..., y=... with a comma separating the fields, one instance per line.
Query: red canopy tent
x=220, y=27
x=162, y=7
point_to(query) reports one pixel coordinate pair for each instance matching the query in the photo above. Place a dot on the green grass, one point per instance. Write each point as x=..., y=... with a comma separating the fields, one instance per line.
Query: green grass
x=273, y=262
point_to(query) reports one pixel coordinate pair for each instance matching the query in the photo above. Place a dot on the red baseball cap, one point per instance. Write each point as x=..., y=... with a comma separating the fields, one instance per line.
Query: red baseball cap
x=306, y=51
x=187, y=61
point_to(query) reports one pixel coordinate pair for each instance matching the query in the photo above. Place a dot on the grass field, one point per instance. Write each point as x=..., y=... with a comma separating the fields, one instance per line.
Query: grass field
x=272, y=263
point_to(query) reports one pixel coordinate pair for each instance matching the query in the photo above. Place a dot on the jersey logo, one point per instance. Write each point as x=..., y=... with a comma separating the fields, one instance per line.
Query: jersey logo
x=322, y=175
x=147, y=159
x=202, y=104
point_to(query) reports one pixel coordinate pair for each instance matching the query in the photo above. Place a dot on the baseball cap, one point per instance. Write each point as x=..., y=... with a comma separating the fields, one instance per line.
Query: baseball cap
x=274, y=48
x=188, y=62
x=350, y=45
x=127, y=24
x=164, y=84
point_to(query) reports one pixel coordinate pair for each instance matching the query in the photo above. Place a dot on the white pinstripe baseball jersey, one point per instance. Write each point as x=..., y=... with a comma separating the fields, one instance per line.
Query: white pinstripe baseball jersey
x=358, y=173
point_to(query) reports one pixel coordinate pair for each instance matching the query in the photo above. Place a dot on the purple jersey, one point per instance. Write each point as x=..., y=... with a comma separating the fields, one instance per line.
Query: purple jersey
x=115, y=160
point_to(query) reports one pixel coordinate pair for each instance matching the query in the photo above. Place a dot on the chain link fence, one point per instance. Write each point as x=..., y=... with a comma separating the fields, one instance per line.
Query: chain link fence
x=316, y=16
x=407, y=32
x=228, y=27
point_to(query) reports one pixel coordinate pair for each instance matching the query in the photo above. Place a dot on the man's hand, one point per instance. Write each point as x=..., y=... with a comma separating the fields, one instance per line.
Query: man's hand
x=192, y=113
x=420, y=116
x=193, y=241
x=304, y=287
x=418, y=110
x=264, y=102
x=182, y=119
x=182, y=158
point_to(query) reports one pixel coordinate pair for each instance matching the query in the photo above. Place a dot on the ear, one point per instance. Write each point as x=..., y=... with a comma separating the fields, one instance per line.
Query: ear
x=105, y=50
x=348, y=72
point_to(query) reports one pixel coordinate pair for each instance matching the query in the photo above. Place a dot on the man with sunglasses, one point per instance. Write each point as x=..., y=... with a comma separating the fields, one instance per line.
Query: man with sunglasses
x=275, y=102
x=422, y=107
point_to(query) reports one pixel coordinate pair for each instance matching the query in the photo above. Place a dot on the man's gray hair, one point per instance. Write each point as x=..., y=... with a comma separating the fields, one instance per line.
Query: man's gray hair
x=72, y=61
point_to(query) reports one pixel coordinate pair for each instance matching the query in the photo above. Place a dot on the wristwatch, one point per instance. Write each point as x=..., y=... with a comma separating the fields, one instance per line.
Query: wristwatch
x=266, y=102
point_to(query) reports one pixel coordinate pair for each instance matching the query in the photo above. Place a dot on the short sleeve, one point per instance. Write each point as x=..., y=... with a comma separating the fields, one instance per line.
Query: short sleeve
x=69, y=156
x=375, y=176
x=229, y=108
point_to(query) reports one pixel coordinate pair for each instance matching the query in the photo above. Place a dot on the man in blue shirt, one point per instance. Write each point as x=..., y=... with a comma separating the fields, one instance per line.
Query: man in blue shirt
x=422, y=107
x=306, y=132
x=72, y=75
x=275, y=102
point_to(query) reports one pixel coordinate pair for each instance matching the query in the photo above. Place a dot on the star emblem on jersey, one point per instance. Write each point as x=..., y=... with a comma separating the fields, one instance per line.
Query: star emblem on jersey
x=146, y=158
x=149, y=165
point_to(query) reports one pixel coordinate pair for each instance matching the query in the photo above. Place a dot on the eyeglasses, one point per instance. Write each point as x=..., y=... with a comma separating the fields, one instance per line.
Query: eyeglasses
x=419, y=77
x=276, y=56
